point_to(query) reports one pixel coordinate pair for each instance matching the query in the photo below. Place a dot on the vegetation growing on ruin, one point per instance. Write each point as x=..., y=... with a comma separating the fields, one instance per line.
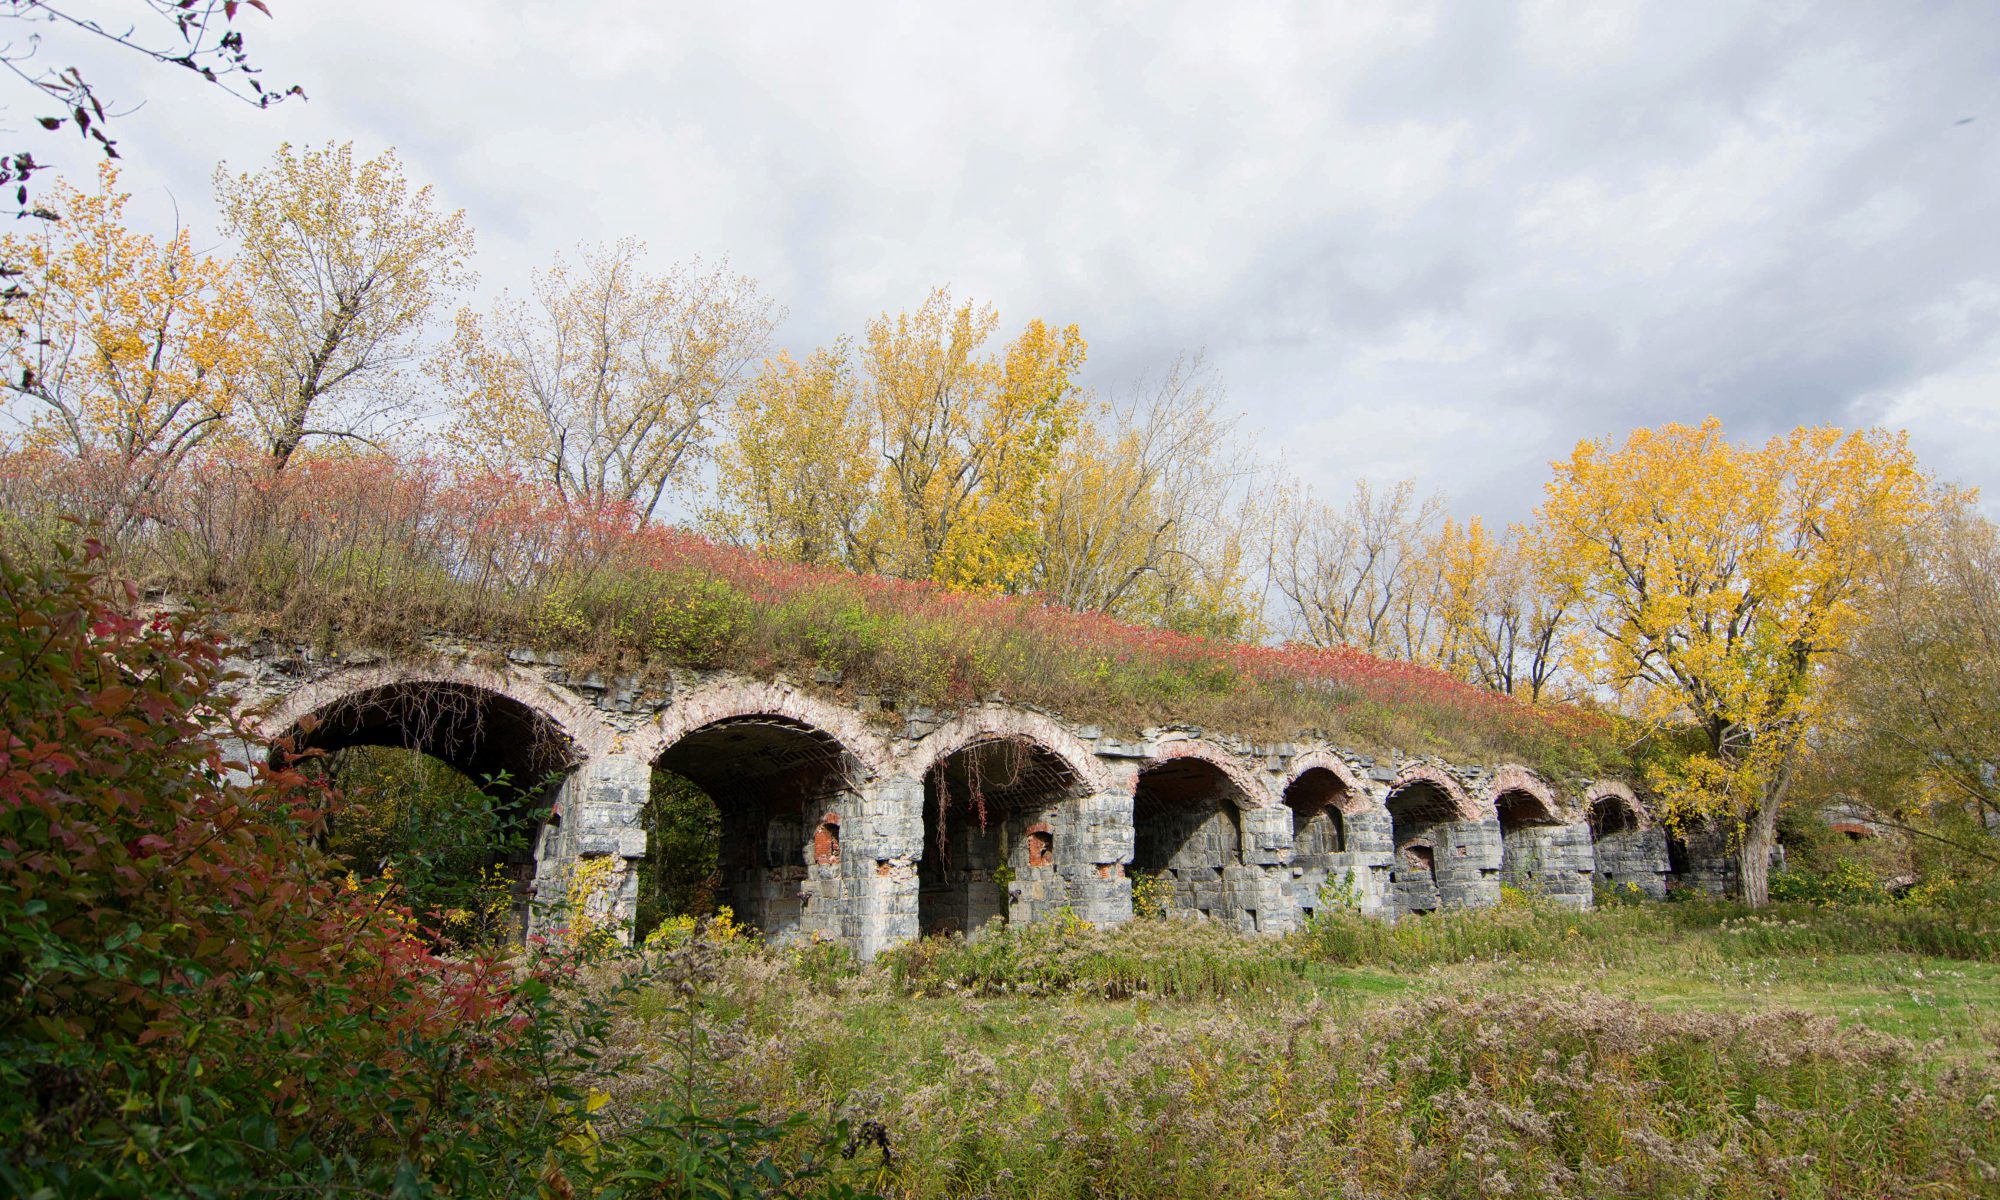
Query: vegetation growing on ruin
x=375, y=553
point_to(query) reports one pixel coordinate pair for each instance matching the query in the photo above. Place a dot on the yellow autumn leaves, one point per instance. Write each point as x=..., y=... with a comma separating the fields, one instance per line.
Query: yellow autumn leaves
x=1716, y=582
x=141, y=345
x=143, y=349
x=923, y=454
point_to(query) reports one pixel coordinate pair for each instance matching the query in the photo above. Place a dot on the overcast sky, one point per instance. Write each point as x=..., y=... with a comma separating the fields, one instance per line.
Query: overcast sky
x=1434, y=241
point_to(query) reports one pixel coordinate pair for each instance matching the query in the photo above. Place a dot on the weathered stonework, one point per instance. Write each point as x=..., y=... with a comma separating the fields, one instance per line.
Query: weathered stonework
x=854, y=822
x=1630, y=848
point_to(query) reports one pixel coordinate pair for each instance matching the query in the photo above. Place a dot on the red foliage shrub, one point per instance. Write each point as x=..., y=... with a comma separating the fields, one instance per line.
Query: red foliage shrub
x=189, y=997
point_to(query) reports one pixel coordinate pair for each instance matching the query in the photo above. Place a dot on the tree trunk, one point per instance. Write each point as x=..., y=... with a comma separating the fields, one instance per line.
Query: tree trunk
x=1753, y=862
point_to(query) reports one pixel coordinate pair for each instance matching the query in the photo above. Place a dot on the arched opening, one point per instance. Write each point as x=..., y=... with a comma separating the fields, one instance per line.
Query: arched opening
x=1526, y=851
x=1319, y=828
x=1611, y=817
x=449, y=791
x=1626, y=852
x=745, y=812
x=994, y=823
x=1187, y=842
x=1419, y=812
x=1317, y=800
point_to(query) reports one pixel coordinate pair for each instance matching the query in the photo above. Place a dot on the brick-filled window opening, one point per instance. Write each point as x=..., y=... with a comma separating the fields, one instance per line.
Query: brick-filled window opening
x=826, y=841
x=1041, y=847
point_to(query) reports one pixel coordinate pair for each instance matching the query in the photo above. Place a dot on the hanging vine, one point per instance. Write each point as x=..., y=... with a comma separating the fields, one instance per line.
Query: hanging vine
x=1013, y=756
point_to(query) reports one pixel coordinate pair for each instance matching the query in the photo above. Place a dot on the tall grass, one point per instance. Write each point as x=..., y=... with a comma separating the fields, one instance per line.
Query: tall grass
x=1201, y=960
x=381, y=553
x=998, y=1068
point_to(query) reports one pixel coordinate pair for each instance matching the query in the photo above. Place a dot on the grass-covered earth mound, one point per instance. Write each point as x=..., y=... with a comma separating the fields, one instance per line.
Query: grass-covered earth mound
x=381, y=554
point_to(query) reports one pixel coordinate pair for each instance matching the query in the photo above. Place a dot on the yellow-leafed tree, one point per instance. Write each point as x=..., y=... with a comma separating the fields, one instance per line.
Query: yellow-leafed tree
x=1144, y=518
x=346, y=264
x=796, y=474
x=134, y=349
x=607, y=380
x=967, y=441
x=1713, y=581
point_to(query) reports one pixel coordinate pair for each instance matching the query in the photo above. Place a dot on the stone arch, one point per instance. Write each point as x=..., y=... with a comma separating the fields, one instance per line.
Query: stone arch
x=1609, y=795
x=1629, y=850
x=744, y=699
x=1424, y=801
x=1250, y=790
x=357, y=687
x=1457, y=804
x=1191, y=803
x=1528, y=811
x=1535, y=799
x=783, y=771
x=1354, y=794
x=994, y=724
x=1002, y=830
x=486, y=722
x=1321, y=793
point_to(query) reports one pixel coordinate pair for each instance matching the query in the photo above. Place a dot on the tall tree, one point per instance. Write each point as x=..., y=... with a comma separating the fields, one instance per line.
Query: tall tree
x=796, y=474
x=607, y=380
x=136, y=347
x=1912, y=724
x=967, y=440
x=1358, y=574
x=347, y=265
x=1488, y=617
x=1713, y=581
x=1139, y=521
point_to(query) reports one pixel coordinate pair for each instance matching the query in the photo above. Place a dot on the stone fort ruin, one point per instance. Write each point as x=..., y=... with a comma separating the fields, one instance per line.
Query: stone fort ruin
x=853, y=820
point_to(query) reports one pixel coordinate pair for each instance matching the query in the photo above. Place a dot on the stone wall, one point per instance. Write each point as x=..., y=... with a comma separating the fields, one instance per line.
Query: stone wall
x=850, y=818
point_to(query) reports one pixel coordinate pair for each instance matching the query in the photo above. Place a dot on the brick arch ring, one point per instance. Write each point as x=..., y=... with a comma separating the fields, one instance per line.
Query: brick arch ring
x=570, y=715
x=1446, y=783
x=722, y=701
x=1611, y=789
x=1354, y=797
x=1515, y=778
x=1250, y=787
x=998, y=724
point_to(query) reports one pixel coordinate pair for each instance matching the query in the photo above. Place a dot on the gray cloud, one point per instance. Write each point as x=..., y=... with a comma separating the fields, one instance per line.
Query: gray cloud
x=1443, y=241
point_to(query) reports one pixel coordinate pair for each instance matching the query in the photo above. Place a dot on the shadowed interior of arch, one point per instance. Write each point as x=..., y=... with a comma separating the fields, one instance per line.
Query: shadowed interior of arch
x=1316, y=800
x=994, y=824
x=1419, y=811
x=1526, y=851
x=481, y=811
x=1319, y=827
x=1187, y=833
x=746, y=812
x=1612, y=817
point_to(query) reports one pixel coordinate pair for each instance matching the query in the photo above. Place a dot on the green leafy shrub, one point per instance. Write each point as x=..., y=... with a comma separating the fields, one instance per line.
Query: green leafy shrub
x=1843, y=881
x=1151, y=895
x=194, y=1002
x=435, y=840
